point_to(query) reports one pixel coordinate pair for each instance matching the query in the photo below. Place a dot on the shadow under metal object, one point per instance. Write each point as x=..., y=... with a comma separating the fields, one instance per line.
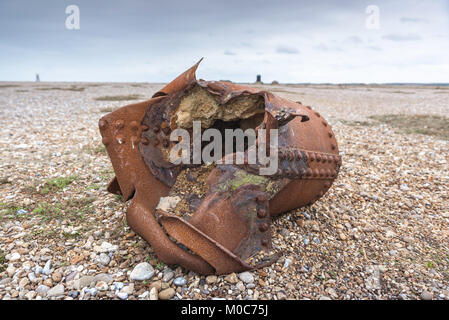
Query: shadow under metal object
x=230, y=230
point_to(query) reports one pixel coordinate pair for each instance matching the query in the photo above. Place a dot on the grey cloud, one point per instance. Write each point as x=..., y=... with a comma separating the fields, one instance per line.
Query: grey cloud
x=353, y=39
x=229, y=53
x=324, y=47
x=413, y=20
x=287, y=49
x=402, y=37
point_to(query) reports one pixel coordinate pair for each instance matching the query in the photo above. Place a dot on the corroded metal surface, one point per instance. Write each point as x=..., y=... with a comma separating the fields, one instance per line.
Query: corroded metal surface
x=230, y=231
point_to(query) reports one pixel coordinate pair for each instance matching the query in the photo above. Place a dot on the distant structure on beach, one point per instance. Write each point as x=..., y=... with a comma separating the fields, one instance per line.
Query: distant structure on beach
x=259, y=79
x=37, y=77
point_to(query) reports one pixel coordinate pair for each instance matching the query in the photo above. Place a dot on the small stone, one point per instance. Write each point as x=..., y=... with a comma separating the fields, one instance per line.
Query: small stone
x=11, y=270
x=102, y=286
x=30, y=295
x=42, y=290
x=142, y=271
x=103, y=277
x=106, y=247
x=342, y=236
x=306, y=241
x=103, y=259
x=231, y=278
x=287, y=263
x=56, y=276
x=167, y=294
x=246, y=277
x=92, y=291
x=240, y=286
x=324, y=298
x=14, y=256
x=83, y=282
x=118, y=285
x=122, y=295
x=154, y=294
x=23, y=282
x=180, y=281
x=48, y=282
x=211, y=279
x=129, y=289
x=156, y=284
x=168, y=276
x=56, y=291
x=426, y=295
x=47, y=268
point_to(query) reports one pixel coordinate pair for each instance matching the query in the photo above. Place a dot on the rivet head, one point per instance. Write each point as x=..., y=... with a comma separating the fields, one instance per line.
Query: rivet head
x=324, y=123
x=309, y=172
x=119, y=124
x=102, y=124
x=134, y=125
x=262, y=213
x=322, y=172
x=317, y=114
x=263, y=227
x=311, y=156
x=316, y=173
x=329, y=134
x=333, y=147
x=120, y=140
x=324, y=158
x=318, y=157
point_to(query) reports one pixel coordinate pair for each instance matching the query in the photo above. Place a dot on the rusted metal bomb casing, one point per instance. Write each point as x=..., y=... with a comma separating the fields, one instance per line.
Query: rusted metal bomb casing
x=230, y=230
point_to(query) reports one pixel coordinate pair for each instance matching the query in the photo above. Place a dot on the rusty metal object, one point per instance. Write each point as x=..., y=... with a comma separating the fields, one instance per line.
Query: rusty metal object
x=230, y=228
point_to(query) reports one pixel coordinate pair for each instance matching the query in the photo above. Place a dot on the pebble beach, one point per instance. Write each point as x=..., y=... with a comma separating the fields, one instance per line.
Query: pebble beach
x=380, y=232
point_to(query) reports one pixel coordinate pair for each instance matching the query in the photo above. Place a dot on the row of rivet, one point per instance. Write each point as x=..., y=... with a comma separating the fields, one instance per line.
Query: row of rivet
x=120, y=124
x=296, y=154
x=262, y=213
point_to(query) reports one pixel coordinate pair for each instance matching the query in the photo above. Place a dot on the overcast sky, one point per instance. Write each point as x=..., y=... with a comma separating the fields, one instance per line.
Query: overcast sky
x=289, y=41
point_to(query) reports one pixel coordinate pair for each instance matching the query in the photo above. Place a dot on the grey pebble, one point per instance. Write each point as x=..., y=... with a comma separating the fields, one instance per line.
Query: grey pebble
x=179, y=281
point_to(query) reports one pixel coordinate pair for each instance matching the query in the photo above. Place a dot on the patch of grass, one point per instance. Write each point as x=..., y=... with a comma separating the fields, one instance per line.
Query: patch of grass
x=9, y=86
x=422, y=124
x=93, y=186
x=73, y=209
x=100, y=148
x=107, y=109
x=358, y=123
x=119, y=98
x=56, y=184
x=48, y=212
x=9, y=211
x=2, y=261
x=72, y=88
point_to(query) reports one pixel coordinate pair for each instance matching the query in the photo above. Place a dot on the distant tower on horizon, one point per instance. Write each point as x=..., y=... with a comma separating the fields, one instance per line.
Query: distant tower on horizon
x=259, y=79
x=37, y=78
